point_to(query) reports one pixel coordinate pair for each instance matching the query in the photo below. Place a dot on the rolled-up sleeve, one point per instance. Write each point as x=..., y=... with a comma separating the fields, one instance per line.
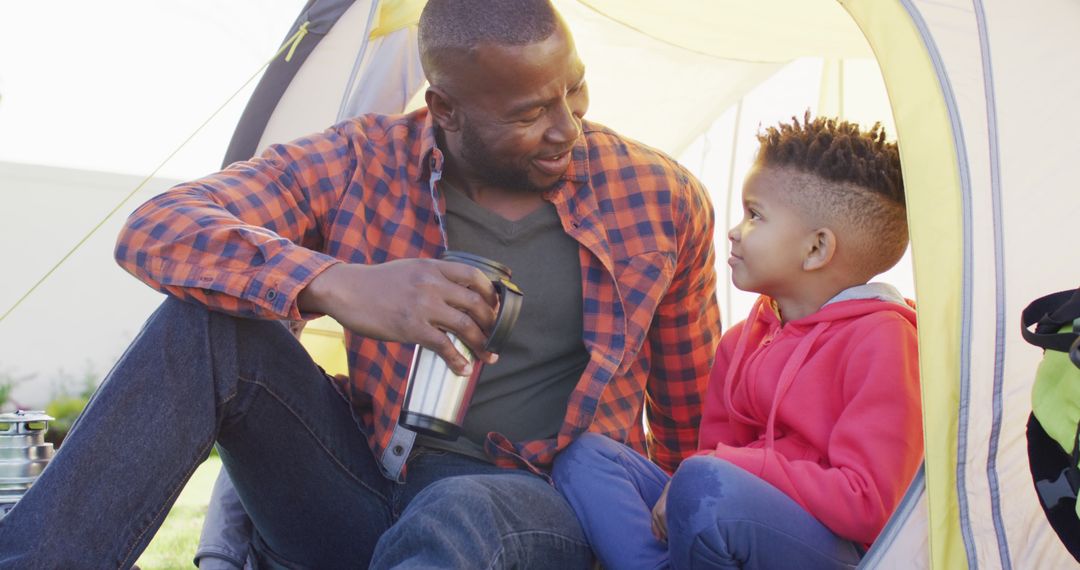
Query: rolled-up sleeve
x=248, y=239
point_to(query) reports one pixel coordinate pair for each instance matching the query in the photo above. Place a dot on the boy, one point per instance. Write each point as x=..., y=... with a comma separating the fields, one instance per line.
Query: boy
x=812, y=423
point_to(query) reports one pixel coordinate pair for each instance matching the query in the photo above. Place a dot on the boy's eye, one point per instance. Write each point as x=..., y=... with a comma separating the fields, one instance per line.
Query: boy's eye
x=753, y=214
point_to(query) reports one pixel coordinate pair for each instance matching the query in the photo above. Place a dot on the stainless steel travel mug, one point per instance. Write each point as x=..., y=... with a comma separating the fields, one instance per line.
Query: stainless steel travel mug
x=437, y=399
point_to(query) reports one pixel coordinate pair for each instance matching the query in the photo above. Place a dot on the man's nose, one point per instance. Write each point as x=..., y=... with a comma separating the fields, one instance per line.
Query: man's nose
x=566, y=125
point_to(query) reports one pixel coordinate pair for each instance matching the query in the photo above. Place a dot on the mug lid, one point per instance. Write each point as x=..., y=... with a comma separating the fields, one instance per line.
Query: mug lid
x=480, y=262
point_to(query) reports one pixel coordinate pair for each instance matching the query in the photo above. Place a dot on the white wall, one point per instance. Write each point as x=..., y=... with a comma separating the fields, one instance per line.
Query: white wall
x=82, y=317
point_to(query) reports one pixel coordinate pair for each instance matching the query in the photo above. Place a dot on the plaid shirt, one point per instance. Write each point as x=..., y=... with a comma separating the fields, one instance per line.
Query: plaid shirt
x=247, y=240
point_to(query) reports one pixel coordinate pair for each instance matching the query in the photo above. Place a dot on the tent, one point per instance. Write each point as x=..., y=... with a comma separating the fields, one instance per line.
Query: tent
x=976, y=93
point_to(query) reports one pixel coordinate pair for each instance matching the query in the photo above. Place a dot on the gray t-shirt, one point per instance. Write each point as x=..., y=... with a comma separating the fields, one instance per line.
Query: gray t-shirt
x=524, y=395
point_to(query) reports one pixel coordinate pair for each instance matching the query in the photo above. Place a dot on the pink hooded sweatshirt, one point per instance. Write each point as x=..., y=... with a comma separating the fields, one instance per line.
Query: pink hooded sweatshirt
x=825, y=408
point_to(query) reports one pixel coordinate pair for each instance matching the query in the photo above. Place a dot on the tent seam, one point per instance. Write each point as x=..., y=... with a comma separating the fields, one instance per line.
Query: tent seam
x=966, y=284
x=908, y=503
x=999, y=287
x=351, y=83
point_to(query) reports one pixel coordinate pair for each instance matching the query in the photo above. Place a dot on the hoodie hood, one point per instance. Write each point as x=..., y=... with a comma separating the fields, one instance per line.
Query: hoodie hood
x=855, y=302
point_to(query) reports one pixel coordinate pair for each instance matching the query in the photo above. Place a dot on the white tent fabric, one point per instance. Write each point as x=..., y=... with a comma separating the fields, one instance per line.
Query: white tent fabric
x=382, y=76
x=979, y=94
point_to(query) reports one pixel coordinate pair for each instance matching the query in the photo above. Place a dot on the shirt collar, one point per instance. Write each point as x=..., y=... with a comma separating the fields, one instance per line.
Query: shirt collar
x=431, y=158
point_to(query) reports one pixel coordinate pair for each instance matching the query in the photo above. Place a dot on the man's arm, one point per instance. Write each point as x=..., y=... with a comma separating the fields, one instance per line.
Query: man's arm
x=245, y=240
x=248, y=241
x=684, y=334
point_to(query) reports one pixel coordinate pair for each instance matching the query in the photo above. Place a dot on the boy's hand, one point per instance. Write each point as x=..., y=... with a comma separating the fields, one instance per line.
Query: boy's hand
x=659, y=515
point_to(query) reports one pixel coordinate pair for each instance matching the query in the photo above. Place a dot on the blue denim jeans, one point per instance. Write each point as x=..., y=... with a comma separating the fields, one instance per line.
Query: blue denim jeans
x=718, y=515
x=300, y=464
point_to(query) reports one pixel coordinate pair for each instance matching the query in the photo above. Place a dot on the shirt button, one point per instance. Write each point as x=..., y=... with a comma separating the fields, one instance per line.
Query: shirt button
x=398, y=450
x=270, y=295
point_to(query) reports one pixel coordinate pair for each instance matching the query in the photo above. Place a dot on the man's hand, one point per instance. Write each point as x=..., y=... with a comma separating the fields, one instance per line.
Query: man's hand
x=659, y=515
x=415, y=301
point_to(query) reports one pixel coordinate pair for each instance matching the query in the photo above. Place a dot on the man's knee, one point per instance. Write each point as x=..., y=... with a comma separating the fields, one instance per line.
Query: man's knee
x=453, y=490
x=520, y=518
x=173, y=310
x=464, y=498
x=508, y=500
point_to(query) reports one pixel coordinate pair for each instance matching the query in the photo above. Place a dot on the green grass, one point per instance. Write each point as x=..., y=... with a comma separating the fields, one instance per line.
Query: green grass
x=174, y=545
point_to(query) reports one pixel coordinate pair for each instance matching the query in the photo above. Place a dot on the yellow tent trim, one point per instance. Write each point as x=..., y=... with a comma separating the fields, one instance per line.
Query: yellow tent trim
x=395, y=15
x=324, y=340
x=932, y=183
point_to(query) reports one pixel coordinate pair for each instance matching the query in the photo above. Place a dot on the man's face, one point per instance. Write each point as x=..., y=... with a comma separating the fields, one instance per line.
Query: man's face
x=520, y=113
x=769, y=244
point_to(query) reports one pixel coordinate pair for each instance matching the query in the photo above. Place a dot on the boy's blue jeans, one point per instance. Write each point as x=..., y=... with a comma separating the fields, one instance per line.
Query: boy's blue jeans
x=718, y=515
x=300, y=464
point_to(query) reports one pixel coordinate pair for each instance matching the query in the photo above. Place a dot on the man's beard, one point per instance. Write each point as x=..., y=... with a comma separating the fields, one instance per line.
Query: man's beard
x=480, y=159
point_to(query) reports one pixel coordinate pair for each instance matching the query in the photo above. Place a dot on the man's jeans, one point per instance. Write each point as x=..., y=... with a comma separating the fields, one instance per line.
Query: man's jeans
x=301, y=466
x=718, y=515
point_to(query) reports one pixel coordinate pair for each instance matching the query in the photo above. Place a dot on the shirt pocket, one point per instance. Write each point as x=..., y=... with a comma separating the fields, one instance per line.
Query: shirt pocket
x=642, y=280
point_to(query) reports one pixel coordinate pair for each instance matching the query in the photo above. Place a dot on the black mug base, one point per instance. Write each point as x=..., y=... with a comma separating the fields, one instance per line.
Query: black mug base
x=428, y=425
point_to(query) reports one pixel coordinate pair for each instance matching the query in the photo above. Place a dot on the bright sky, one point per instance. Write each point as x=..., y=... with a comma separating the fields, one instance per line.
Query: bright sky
x=118, y=85
x=113, y=86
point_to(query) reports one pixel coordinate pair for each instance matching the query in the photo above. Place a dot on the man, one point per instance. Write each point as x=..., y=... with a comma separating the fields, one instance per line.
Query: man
x=611, y=242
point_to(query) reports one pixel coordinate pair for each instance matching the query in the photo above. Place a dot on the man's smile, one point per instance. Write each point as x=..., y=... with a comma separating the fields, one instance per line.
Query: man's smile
x=554, y=165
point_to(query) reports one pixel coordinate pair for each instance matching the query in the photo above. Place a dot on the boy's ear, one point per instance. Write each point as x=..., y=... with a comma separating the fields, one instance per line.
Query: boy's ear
x=441, y=107
x=822, y=249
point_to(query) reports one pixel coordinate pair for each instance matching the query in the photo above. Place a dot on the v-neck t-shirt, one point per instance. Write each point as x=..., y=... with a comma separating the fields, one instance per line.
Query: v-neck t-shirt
x=524, y=395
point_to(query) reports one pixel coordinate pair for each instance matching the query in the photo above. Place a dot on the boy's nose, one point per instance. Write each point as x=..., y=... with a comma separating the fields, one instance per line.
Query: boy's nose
x=733, y=234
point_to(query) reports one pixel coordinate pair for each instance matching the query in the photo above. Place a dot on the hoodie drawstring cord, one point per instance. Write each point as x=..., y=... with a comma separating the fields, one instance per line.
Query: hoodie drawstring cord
x=737, y=361
x=787, y=377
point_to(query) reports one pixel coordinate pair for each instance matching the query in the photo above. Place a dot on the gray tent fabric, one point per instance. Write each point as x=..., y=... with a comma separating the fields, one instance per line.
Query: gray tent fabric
x=320, y=16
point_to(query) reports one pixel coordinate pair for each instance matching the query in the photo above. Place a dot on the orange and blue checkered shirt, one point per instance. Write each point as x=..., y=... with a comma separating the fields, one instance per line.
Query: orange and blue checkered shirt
x=247, y=240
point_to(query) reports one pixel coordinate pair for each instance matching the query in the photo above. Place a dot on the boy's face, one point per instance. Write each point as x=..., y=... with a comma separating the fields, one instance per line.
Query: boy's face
x=769, y=245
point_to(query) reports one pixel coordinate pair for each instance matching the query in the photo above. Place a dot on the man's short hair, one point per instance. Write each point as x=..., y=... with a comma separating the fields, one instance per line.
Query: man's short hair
x=448, y=26
x=860, y=189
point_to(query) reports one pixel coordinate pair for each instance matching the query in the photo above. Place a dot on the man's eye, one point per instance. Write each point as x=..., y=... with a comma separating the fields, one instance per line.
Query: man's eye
x=532, y=117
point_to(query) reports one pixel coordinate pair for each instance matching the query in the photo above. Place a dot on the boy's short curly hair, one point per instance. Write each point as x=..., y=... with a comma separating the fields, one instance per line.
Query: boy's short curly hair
x=860, y=189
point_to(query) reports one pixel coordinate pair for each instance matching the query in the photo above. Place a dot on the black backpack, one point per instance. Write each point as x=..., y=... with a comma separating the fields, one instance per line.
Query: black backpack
x=1054, y=424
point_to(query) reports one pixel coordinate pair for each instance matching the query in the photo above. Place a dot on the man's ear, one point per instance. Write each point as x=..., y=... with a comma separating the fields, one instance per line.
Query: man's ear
x=821, y=251
x=442, y=109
